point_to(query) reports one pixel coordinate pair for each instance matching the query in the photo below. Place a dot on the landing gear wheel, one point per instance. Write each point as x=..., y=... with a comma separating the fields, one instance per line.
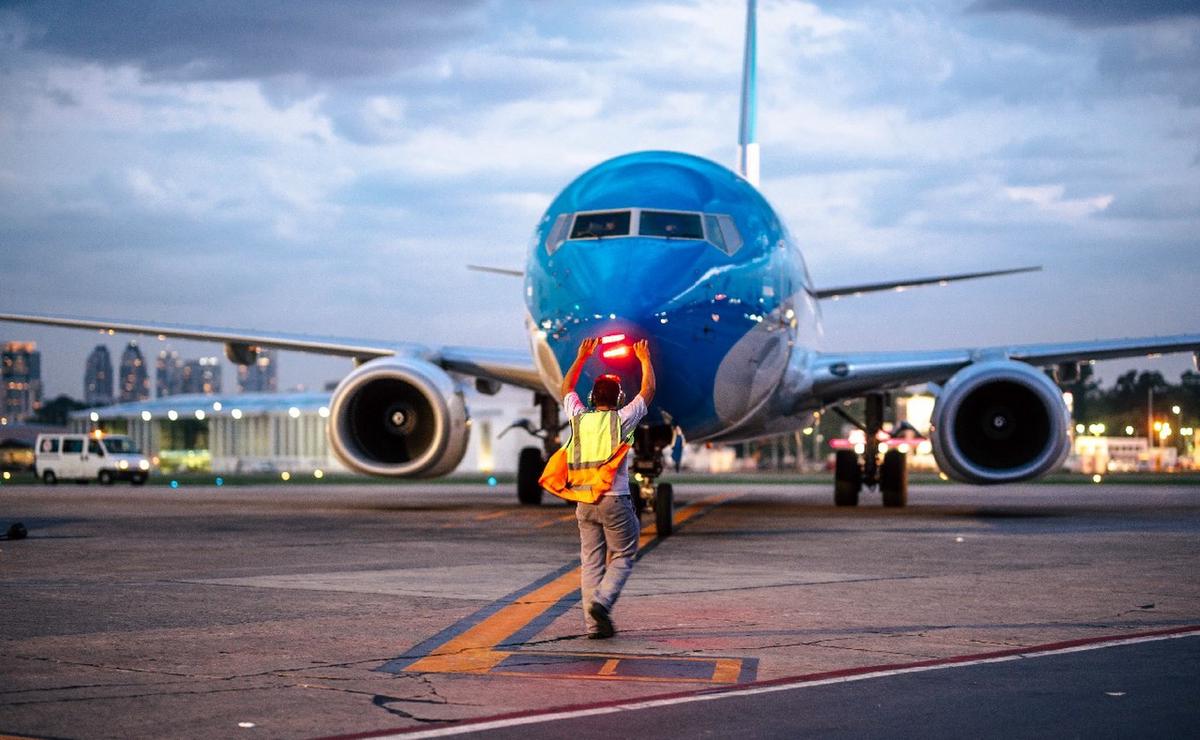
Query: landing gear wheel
x=529, y=469
x=664, y=509
x=49, y=478
x=106, y=478
x=893, y=479
x=847, y=478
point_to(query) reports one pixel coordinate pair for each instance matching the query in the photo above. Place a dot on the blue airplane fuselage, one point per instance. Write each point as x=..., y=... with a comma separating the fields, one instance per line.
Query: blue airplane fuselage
x=730, y=327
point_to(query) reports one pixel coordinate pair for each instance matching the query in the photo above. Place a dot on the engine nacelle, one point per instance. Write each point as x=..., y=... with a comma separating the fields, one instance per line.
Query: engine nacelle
x=399, y=417
x=999, y=422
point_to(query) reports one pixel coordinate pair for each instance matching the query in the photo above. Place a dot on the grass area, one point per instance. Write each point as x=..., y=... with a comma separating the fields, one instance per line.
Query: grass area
x=507, y=480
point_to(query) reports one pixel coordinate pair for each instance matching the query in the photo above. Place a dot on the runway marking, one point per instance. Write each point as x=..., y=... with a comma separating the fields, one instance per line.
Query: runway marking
x=514, y=719
x=470, y=645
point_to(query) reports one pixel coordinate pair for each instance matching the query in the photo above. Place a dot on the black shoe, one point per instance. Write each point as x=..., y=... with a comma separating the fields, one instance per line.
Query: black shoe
x=604, y=625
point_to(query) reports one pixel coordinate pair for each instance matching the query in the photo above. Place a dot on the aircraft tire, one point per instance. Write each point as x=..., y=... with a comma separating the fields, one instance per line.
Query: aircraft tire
x=893, y=479
x=664, y=509
x=529, y=468
x=49, y=478
x=847, y=478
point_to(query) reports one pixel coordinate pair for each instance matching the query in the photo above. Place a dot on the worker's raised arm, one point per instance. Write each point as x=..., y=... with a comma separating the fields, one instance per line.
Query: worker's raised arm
x=586, y=348
x=642, y=350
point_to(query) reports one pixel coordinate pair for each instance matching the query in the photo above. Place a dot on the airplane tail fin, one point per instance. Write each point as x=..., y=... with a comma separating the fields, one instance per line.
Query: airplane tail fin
x=748, y=125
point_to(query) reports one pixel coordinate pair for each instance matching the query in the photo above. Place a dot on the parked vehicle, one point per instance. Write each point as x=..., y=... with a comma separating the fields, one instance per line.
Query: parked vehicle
x=82, y=457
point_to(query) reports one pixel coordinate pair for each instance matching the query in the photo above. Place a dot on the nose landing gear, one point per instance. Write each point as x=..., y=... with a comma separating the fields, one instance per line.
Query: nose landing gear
x=851, y=474
x=649, y=441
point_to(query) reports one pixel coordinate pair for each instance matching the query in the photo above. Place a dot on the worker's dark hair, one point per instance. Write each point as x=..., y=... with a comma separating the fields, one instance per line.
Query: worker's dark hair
x=606, y=391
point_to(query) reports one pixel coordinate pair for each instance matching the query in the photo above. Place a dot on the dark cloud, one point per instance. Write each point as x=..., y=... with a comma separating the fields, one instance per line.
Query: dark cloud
x=231, y=39
x=1095, y=13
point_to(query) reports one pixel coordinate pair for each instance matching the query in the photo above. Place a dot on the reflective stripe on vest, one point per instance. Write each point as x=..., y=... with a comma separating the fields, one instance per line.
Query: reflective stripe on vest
x=595, y=437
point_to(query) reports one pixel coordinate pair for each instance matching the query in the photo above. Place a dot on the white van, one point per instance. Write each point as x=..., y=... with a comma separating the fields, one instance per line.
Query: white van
x=82, y=457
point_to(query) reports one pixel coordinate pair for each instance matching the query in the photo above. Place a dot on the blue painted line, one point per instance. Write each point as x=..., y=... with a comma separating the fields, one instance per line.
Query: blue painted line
x=423, y=649
x=749, y=671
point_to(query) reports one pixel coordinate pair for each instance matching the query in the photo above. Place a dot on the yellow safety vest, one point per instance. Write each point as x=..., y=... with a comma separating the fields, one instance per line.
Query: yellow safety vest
x=585, y=467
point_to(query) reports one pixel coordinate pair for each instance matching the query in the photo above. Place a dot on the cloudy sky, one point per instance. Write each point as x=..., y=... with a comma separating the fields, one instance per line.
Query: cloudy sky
x=331, y=168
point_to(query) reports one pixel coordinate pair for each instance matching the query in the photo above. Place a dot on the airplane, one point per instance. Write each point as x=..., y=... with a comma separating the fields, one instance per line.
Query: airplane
x=688, y=254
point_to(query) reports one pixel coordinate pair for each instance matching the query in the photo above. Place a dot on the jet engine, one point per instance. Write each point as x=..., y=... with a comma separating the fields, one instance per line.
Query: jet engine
x=399, y=417
x=999, y=422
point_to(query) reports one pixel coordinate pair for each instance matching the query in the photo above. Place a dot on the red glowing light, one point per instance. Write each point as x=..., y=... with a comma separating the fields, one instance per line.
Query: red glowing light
x=609, y=339
x=622, y=351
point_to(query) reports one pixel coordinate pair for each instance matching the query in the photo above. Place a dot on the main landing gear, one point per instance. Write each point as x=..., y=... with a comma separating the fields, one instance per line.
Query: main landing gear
x=851, y=474
x=649, y=441
x=532, y=460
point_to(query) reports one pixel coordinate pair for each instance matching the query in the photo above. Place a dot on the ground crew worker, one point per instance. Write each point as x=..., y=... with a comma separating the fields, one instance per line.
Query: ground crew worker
x=610, y=525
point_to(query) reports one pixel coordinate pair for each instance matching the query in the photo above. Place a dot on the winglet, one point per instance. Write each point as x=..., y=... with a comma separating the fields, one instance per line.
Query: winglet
x=845, y=290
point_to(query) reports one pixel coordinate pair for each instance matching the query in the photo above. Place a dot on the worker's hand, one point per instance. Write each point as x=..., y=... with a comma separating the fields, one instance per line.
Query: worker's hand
x=642, y=350
x=588, y=346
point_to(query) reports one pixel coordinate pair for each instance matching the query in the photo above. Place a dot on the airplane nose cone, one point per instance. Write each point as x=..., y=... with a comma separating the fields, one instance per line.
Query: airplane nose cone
x=628, y=280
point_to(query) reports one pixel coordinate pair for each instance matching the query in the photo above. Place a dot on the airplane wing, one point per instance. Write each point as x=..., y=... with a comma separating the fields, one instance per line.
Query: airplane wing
x=841, y=375
x=514, y=367
x=845, y=290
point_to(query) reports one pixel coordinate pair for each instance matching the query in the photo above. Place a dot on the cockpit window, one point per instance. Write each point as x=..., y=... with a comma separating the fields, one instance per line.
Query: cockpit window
x=729, y=234
x=717, y=229
x=671, y=225
x=558, y=233
x=596, y=225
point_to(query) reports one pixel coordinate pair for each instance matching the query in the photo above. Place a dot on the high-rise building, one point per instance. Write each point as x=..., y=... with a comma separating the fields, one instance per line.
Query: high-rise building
x=98, y=378
x=168, y=374
x=21, y=375
x=202, y=375
x=174, y=375
x=134, y=379
x=260, y=377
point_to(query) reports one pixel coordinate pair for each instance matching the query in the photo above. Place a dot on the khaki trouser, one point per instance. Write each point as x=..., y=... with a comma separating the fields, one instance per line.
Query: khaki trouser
x=608, y=542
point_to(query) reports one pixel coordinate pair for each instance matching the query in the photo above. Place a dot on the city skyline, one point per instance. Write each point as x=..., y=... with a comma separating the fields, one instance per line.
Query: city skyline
x=336, y=178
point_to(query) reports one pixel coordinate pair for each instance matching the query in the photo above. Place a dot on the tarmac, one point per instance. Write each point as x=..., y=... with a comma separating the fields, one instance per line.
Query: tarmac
x=305, y=610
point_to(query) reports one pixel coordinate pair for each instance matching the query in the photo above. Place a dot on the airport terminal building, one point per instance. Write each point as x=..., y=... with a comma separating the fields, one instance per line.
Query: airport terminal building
x=277, y=432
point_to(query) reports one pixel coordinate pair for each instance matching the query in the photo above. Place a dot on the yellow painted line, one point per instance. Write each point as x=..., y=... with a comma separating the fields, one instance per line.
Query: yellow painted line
x=493, y=515
x=473, y=650
x=687, y=512
x=727, y=670
x=564, y=518
x=609, y=668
